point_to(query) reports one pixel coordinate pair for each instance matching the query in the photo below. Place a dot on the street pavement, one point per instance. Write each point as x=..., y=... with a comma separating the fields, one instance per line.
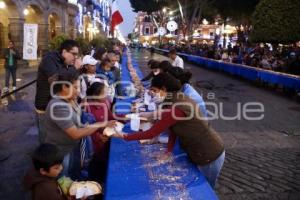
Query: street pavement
x=262, y=157
x=18, y=135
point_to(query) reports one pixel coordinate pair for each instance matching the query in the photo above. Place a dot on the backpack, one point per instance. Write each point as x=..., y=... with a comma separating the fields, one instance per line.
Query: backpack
x=87, y=83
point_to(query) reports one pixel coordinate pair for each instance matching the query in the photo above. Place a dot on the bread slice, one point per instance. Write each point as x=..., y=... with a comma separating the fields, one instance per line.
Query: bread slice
x=93, y=187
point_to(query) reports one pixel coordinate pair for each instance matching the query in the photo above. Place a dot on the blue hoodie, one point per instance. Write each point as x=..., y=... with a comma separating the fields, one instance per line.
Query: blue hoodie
x=189, y=91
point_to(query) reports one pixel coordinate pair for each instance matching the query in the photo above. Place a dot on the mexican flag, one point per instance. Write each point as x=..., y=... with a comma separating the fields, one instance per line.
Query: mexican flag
x=116, y=17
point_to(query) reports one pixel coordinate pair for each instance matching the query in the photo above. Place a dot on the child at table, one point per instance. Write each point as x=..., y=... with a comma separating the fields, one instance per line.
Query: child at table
x=100, y=106
x=47, y=162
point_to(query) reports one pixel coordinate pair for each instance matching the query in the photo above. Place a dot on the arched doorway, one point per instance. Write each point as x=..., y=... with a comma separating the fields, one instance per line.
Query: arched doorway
x=33, y=15
x=54, y=25
x=7, y=10
x=87, y=27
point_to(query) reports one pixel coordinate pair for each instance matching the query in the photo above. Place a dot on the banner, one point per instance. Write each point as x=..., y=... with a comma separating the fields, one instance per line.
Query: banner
x=30, y=42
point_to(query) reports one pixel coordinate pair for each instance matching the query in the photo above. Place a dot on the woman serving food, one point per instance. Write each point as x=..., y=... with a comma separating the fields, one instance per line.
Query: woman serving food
x=182, y=116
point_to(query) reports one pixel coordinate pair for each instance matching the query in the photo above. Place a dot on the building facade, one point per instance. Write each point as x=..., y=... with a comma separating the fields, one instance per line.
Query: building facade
x=145, y=31
x=74, y=18
x=52, y=16
x=93, y=18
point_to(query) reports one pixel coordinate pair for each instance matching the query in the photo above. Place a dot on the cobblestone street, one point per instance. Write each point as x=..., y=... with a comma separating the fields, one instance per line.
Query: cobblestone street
x=262, y=163
x=260, y=174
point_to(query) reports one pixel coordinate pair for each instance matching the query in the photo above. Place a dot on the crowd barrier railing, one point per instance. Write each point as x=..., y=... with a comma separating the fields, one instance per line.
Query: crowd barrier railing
x=247, y=72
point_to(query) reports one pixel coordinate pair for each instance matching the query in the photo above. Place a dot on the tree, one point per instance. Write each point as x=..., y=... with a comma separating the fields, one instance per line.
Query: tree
x=238, y=13
x=186, y=12
x=55, y=43
x=237, y=10
x=191, y=13
x=148, y=6
x=84, y=45
x=276, y=21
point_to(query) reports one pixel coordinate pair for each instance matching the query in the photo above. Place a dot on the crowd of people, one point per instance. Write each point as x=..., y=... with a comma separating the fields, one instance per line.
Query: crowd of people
x=74, y=104
x=70, y=124
x=284, y=59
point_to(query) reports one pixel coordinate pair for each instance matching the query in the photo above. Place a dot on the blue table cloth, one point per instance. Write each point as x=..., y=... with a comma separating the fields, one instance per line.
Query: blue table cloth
x=135, y=172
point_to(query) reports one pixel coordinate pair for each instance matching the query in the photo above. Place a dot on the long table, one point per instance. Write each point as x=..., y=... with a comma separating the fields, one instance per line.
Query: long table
x=247, y=72
x=134, y=172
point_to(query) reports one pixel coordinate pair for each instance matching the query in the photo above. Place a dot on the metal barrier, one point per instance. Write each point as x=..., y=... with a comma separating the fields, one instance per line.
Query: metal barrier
x=250, y=73
x=18, y=89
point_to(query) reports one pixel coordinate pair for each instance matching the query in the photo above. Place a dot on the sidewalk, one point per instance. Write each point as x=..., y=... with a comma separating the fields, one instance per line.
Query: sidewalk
x=18, y=134
x=24, y=75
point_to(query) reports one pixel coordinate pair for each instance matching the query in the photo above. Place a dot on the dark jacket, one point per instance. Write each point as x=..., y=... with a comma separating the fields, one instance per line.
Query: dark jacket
x=202, y=144
x=50, y=67
x=148, y=77
x=16, y=57
x=42, y=187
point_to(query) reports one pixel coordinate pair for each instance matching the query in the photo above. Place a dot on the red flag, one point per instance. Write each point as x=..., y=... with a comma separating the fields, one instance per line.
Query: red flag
x=116, y=17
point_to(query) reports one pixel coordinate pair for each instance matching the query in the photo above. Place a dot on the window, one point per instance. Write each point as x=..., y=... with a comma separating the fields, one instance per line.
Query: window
x=147, y=19
x=147, y=31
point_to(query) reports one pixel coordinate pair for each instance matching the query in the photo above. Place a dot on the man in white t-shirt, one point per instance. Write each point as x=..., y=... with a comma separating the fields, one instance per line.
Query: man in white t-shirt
x=175, y=59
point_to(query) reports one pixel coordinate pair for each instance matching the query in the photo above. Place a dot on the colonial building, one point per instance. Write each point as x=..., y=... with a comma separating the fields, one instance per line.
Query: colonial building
x=52, y=16
x=93, y=18
x=85, y=18
x=144, y=28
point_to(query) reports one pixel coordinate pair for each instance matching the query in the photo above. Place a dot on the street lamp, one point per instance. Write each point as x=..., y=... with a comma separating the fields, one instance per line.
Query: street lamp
x=26, y=11
x=2, y=5
x=171, y=13
x=164, y=10
x=205, y=22
x=196, y=33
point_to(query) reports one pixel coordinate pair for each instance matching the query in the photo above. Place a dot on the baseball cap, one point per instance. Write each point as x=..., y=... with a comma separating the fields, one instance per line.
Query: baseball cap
x=89, y=60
